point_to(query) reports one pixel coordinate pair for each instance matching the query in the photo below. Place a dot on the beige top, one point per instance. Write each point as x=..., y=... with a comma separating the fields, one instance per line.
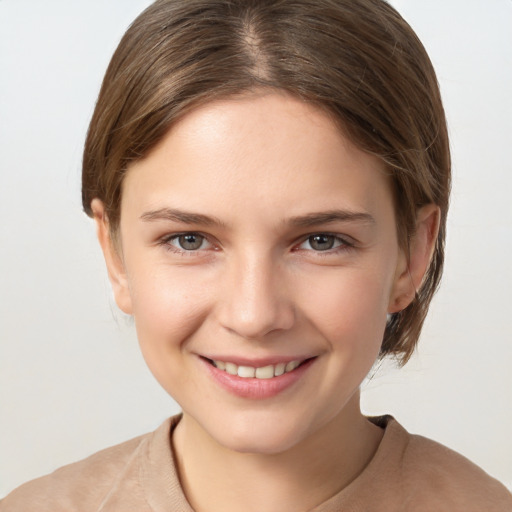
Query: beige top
x=408, y=473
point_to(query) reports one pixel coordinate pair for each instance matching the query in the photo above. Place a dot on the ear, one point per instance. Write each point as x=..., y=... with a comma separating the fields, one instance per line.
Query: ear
x=411, y=270
x=113, y=258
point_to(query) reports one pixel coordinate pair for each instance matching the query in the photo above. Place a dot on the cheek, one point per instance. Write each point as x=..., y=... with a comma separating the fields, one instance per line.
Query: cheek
x=352, y=319
x=168, y=308
x=168, y=305
x=349, y=307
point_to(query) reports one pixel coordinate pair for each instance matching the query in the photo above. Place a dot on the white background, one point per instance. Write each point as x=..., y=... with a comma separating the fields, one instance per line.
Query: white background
x=71, y=378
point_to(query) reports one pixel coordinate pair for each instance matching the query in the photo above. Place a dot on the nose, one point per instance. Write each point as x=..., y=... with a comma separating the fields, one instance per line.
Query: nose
x=255, y=299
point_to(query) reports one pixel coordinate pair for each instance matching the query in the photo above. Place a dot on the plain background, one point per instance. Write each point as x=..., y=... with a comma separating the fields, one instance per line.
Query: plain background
x=71, y=377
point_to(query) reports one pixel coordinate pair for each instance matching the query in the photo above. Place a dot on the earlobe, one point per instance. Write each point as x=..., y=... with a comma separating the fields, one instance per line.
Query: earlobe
x=113, y=258
x=411, y=271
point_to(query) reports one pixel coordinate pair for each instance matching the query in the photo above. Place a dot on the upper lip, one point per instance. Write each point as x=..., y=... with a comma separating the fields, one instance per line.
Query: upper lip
x=256, y=362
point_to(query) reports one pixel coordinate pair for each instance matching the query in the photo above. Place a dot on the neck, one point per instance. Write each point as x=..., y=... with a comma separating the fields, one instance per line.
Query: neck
x=215, y=478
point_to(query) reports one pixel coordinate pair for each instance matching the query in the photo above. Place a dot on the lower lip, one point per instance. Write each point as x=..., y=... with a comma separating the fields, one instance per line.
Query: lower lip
x=256, y=389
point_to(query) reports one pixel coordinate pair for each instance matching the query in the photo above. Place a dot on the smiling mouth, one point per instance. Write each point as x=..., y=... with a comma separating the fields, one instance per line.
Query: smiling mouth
x=263, y=372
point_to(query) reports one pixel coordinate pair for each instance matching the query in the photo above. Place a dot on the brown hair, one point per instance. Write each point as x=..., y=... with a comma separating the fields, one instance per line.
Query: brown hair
x=356, y=59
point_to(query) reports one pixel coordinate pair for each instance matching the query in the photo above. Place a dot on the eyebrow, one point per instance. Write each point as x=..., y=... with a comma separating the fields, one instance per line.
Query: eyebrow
x=174, y=215
x=330, y=216
x=308, y=220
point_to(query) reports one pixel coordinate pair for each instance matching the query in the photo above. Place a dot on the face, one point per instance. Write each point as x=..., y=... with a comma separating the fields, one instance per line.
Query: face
x=259, y=258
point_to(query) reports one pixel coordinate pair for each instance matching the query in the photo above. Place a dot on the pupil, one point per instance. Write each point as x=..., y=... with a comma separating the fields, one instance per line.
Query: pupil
x=190, y=242
x=321, y=242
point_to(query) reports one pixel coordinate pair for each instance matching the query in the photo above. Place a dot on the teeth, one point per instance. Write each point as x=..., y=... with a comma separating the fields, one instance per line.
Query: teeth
x=291, y=366
x=279, y=369
x=264, y=372
x=221, y=365
x=246, y=372
x=231, y=368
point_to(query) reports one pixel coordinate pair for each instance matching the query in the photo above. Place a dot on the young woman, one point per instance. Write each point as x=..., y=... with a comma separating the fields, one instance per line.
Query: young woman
x=269, y=181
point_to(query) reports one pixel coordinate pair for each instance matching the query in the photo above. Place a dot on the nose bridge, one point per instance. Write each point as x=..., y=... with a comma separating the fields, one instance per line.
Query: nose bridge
x=255, y=301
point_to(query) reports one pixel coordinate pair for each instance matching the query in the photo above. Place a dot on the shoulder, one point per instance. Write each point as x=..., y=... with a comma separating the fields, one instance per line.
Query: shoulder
x=79, y=486
x=445, y=480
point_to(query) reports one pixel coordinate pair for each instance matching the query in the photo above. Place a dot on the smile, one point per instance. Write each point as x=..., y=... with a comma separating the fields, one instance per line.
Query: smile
x=258, y=381
x=264, y=372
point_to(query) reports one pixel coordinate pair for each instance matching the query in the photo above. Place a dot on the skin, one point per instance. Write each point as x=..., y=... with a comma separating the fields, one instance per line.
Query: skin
x=257, y=288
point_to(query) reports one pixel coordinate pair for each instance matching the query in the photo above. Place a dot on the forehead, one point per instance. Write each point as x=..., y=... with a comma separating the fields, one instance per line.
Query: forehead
x=255, y=154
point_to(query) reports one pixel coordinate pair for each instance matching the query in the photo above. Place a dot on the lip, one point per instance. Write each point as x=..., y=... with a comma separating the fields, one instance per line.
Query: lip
x=256, y=362
x=256, y=389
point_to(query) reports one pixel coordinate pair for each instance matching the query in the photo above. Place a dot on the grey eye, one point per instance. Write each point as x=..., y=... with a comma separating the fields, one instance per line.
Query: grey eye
x=190, y=242
x=322, y=242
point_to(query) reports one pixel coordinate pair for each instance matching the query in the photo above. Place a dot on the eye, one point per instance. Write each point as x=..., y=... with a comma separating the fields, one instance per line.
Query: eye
x=322, y=242
x=188, y=242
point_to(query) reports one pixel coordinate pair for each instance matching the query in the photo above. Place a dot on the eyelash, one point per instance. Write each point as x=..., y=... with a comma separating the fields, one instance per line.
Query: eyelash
x=166, y=242
x=343, y=244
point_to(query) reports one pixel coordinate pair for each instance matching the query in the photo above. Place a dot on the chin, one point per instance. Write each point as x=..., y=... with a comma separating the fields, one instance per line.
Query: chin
x=264, y=442
x=255, y=433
